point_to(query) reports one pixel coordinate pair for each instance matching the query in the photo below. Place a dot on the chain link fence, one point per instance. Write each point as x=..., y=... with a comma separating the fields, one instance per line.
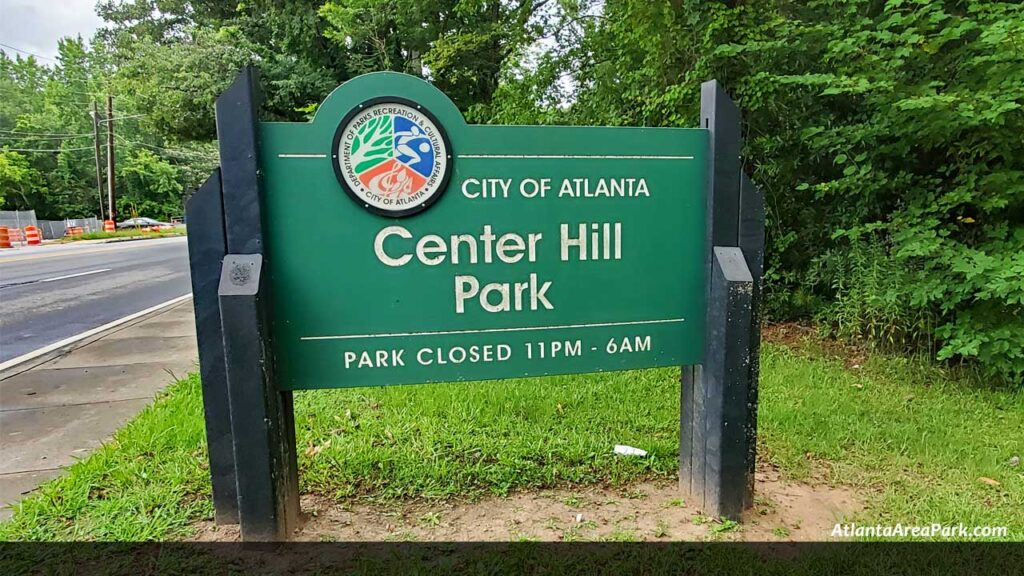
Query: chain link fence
x=51, y=229
x=18, y=218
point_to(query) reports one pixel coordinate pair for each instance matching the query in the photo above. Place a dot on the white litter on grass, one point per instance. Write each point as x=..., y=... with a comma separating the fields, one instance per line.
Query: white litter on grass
x=623, y=450
x=579, y=518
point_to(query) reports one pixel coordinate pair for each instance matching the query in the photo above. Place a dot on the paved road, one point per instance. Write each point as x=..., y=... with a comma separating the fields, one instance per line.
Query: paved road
x=49, y=293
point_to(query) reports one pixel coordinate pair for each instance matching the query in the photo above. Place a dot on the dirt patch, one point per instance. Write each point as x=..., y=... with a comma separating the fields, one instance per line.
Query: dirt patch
x=783, y=511
x=807, y=340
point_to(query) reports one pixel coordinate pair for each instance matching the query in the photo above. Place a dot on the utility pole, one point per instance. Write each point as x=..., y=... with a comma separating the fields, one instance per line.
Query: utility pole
x=96, y=144
x=111, y=212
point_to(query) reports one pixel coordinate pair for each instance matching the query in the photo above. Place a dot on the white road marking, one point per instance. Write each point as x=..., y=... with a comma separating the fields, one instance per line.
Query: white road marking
x=109, y=325
x=490, y=330
x=302, y=155
x=72, y=250
x=76, y=275
x=573, y=157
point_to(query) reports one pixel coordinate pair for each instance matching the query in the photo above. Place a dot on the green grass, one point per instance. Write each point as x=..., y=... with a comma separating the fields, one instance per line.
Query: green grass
x=911, y=439
x=130, y=233
x=907, y=436
x=492, y=437
x=147, y=483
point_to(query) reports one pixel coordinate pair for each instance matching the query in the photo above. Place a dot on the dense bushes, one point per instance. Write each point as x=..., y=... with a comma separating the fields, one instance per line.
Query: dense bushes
x=887, y=135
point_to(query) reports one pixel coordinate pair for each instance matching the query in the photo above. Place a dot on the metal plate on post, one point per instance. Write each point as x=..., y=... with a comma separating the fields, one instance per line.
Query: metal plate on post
x=240, y=275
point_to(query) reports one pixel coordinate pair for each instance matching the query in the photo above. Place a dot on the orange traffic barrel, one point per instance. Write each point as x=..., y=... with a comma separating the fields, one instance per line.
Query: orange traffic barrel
x=73, y=231
x=109, y=226
x=15, y=235
x=5, y=238
x=33, y=235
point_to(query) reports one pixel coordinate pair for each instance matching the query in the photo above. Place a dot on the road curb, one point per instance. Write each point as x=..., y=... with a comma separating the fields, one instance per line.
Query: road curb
x=45, y=354
x=139, y=238
x=117, y=240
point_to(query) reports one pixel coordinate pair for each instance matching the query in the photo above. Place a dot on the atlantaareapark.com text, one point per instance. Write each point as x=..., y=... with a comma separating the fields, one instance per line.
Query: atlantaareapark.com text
x=935, y=530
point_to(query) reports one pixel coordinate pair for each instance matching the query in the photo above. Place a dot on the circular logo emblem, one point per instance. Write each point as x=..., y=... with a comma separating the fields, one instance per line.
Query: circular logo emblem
x=392, y=156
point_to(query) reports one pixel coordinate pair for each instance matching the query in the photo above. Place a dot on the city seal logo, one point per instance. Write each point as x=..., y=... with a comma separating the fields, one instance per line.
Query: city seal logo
x=392, y=156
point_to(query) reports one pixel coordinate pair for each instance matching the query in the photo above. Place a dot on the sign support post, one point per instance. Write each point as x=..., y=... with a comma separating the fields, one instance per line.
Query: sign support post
x=206, y=250
x=718, y=407
x=262, y=416
x=752, y=220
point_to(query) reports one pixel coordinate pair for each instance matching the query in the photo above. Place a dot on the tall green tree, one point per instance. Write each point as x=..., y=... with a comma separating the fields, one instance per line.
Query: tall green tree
x=19, y=181
x=183, y=54
x=152, y=187
x=886, y=135
x=459, y=45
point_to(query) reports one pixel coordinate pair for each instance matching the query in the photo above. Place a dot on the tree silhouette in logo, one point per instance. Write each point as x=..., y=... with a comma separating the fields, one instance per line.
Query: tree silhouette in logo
x=372, y=144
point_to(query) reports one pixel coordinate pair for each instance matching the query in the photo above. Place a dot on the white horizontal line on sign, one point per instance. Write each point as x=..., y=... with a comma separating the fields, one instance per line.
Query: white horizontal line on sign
x=574, y=157
x=75, y=275
x=491, y=330
x=302, y=155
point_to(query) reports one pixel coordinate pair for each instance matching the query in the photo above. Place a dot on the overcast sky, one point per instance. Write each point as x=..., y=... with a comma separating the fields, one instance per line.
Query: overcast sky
x=36, y=25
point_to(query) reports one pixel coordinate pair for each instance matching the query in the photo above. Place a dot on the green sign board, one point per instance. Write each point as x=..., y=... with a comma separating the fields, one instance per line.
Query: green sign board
x=406, y=246
x=388, y=242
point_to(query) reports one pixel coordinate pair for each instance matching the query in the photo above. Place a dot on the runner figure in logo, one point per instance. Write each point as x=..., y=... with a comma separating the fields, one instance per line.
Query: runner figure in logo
x=392, y=157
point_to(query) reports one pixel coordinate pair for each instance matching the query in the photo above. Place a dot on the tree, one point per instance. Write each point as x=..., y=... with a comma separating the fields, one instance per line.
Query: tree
x=886, y=135
x=151, y=187
x=19, y=182
x=459, y=45
x=183, y=54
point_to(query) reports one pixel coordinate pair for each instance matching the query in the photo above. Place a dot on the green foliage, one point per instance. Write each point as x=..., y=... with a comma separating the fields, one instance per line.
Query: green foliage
x=48, y=115
x=460, y=45
x=129, y=233
x=896, y=123
x=17, y=177
x=178, y=84
x=872, y=300
x=910, y=125
x=192, y=50
x=151, y=187
x=44, y=114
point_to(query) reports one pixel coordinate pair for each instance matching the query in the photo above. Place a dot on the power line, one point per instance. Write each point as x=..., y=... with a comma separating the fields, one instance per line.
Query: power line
x=118, y=94
x=179, y=152
x=50, y=99
x=34, y=133
x=122, y=118
x=44, y=150
x=35, y=137
x=27, y=52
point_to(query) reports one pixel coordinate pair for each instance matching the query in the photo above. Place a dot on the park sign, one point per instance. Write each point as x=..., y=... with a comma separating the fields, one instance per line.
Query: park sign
x=408, y=246
x=387, y=242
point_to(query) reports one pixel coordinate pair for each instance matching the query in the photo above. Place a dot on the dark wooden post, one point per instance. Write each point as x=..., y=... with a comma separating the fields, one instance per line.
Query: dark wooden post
x=206, y=249
x=725, y=376
x=262, y=417
x=716, y=442
x=752, y=238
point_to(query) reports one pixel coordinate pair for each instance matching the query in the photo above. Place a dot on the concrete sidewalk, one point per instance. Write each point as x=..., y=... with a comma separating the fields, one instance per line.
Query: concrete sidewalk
x=60, y=410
